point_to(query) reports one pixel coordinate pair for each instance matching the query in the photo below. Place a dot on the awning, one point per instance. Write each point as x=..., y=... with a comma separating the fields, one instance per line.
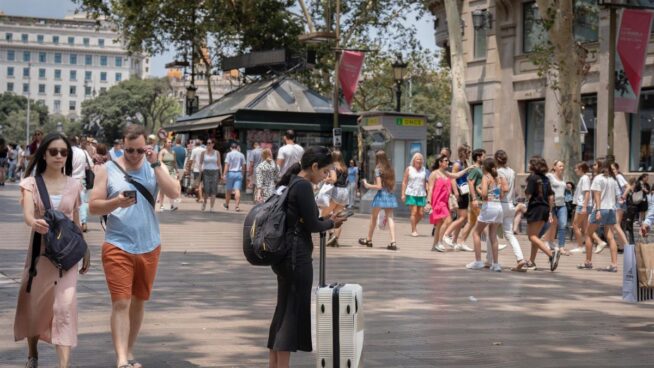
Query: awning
x=201, y=124
x=281, y=125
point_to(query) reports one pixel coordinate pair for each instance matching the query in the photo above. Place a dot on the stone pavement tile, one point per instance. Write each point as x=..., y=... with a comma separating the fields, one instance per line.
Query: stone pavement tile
x=210, y=308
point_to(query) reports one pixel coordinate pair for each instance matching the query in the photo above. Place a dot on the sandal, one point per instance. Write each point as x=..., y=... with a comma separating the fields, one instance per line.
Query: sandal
x=366, y=242
x=135, y=364
x=391, y=246
x=237, y=209
x=520, y=267
x=610, y=268
x=585, y=266
x=32, y=362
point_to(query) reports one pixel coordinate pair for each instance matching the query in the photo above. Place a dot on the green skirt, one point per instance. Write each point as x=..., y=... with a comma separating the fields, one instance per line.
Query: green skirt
x=416, y=201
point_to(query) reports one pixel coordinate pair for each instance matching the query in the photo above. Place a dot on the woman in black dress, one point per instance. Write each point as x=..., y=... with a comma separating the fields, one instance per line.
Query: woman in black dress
x=290, y=329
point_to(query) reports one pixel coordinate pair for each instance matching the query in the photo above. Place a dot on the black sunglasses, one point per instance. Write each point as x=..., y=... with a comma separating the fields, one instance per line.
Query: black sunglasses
x=62, y=151
x=140, y=151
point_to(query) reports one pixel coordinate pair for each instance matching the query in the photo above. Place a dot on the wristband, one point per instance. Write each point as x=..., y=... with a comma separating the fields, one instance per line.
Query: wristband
x=154, y=165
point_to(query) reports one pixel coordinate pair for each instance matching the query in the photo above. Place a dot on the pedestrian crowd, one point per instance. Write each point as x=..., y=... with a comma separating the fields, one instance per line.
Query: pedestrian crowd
x=129, y=182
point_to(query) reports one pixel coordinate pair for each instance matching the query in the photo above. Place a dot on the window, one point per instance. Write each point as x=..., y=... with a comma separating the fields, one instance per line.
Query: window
x=27, y=57
x=42, y=57
x=39, y=38
x=71, y=105
x=103, y=60
x=589, y=114
x=87, y=90
x=119, y=77
x=641, y=135
x=480, y=43
x=533, y=31
x=57, y=58
x=586, y=21
x=88, y=59
x=73, y=75
x=41, y=73
x=88, y=76
x=55, y=40
x=26, y=87
x=57, y=89
x=86, y=41
x=535, y=128
x=72, y=59
x=477, y=125
x=10, y=71
x=101, y=42
x=118, y=61
x=11, y=55
x=26, y=72
x=57, y=106
x=9, y=36
x=40, y=101
x=41, y=89
x=57, y=74
x=103, y=76
x=71, y=40
x=72, y=90
x=10, y=87
x=24, y=37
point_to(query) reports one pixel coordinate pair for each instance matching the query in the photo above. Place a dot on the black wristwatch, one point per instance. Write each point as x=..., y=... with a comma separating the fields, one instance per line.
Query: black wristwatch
x=154, y=165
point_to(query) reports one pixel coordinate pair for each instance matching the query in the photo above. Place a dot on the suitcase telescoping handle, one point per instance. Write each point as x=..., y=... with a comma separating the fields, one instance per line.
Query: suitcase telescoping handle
x=323, y=237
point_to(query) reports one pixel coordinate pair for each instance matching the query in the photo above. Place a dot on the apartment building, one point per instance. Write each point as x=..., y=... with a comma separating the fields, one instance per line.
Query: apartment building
x=62, y=62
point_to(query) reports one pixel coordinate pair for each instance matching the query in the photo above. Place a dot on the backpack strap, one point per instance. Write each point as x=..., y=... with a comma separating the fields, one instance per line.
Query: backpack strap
x=36, y=238
x=143, y=190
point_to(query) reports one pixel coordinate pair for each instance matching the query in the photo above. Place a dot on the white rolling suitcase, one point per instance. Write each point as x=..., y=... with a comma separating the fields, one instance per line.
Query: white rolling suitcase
x=339, y=321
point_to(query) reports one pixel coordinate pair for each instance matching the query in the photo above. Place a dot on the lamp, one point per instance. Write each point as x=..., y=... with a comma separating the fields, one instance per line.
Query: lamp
x=482, y=19
x=439, y=133
x=399, y=70
x=192, y=100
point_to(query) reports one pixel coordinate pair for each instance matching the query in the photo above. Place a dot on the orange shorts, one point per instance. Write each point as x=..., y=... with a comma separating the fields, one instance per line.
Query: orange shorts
x=129, y=274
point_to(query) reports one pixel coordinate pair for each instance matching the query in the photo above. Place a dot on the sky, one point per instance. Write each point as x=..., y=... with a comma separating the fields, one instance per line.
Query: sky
x=60, y=8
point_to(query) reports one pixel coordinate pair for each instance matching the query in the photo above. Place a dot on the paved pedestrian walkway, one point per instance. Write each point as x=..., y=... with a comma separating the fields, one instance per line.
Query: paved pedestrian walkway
x=422, y=309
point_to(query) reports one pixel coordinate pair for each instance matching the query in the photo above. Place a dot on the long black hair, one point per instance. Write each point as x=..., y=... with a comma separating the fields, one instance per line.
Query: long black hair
x=314, y=154
x=38, y=160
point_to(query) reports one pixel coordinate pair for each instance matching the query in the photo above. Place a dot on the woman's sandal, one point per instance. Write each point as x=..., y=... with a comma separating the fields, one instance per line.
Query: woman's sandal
x=585, y=266
x=392, y=246
x=610, y=268
x=520, y=267
x=366, y=242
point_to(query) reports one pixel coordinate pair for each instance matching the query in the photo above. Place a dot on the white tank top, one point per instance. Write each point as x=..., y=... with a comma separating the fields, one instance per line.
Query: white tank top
x=416, y=183
x=211, y=161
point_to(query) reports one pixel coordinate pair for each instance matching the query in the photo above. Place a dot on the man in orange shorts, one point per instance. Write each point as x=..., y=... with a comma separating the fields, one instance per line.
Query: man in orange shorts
x=130, y=253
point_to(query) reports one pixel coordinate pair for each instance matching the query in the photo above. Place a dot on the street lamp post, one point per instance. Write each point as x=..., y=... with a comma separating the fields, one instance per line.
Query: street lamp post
x=27, y=119
x=399, y=69
x=439, y=134
x=192, y=99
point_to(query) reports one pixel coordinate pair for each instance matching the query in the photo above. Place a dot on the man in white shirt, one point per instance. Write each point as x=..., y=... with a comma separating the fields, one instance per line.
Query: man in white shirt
x=233, y=175
x=290, y=153
x=117, y=150
x=195, y=167
x=81, y=161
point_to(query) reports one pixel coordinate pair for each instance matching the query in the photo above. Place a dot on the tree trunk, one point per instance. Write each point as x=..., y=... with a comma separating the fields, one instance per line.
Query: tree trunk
x=460, y=116
x=571, y=70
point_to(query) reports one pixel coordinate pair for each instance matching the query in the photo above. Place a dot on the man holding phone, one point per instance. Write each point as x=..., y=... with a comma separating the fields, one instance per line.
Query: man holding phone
x=130, y=253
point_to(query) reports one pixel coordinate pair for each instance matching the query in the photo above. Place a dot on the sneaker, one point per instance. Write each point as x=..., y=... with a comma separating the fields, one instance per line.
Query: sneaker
x=551, y=245
x=501, y=247
x=531, y=266
x=464, y=248
x=554, y=259
x=600, y=247
x=449, y=241
x=32, y=362
x=438, y=248
x=476, y=265
x=580, y=250
x=332, y=241
x=204, y=206
x=495, y=267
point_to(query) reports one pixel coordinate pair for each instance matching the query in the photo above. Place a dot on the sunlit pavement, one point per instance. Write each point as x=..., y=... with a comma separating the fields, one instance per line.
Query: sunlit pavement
x=210, y=308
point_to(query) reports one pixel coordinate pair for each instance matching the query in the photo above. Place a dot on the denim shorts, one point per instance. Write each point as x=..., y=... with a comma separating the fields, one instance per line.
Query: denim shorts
x=589, y=209
x=234, y=180
x=608, y=217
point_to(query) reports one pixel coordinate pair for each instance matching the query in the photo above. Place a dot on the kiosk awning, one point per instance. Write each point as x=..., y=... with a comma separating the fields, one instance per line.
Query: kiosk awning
x=200, y=124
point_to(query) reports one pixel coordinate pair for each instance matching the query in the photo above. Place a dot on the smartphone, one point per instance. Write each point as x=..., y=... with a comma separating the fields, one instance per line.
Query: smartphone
x=130, y=194
x=345, y=213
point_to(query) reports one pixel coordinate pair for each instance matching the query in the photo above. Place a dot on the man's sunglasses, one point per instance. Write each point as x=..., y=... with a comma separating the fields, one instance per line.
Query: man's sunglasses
x=140, y=151
x=62, y=151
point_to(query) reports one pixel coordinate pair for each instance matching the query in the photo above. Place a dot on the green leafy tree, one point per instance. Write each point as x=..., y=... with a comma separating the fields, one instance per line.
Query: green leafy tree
x=13, y=113
x=145, y=101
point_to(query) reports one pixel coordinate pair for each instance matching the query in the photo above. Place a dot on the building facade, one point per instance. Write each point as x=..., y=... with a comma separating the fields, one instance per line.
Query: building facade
x=62, y=62
x=511, y=106
x=220, y=86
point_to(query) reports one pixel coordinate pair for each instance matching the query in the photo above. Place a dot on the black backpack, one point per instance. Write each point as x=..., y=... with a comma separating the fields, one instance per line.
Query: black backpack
x=264, y=231
x=64, y=243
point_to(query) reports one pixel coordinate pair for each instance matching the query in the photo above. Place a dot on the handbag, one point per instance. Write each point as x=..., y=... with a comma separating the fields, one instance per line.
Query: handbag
x=324, y=195
x=453, y=202
x=464, y=189
x=89, y=175
x=629, y=275
x=637, y=197
x=645, y=264
x=382, y=220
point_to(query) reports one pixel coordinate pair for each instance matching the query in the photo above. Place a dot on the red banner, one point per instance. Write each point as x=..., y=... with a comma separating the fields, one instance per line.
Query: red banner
x=348, y=73
x=631, y=51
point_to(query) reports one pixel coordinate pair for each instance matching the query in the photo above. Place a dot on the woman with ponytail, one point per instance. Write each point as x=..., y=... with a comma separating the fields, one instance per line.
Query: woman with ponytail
x=290, y=329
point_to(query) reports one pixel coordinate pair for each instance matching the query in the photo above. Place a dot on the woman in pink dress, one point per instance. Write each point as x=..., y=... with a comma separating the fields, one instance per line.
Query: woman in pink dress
x=438, y=195
x=49, y=311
